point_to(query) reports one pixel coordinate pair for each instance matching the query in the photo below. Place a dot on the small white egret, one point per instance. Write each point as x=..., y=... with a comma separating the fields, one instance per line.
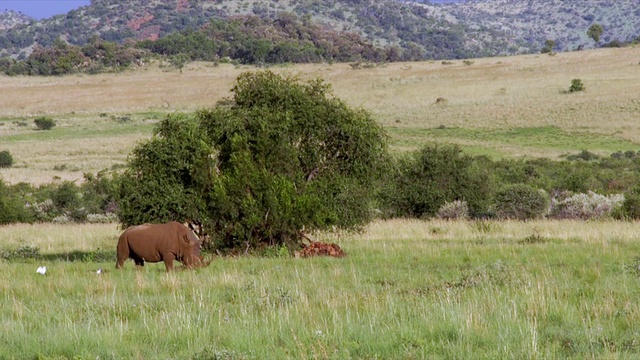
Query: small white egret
x=42, y=270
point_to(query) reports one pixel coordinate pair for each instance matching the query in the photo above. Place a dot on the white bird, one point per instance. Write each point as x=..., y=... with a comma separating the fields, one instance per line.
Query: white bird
x=99, y=271
x=42, y=270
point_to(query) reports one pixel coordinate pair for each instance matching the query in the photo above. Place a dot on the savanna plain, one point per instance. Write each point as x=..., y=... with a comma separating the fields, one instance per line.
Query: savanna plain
x=408, y=289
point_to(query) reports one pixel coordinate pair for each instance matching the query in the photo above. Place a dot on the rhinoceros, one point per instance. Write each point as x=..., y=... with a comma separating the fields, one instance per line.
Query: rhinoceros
x=160, y=242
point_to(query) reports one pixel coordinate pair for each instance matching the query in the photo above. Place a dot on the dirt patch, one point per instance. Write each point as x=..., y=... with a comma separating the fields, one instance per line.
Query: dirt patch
x=320, y=249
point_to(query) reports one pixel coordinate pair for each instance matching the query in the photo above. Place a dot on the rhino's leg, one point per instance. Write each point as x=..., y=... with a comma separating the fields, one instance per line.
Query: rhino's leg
x=137, y=259
x=168, y=259
x=123, y=254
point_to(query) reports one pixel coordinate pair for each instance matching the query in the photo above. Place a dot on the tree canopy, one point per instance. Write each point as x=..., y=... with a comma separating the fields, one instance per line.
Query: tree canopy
x=280, y=158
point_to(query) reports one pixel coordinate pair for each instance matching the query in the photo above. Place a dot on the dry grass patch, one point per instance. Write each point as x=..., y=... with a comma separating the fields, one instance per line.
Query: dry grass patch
x=525, y=91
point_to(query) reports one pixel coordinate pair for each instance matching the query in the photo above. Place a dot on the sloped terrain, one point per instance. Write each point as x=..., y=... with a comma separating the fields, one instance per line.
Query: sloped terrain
x=429, y=31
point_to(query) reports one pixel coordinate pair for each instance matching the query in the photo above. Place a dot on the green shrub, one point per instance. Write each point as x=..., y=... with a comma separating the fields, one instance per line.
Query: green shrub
x=576, y=85
x=6, y=160
x=44, y=123
x=521, y=202
x=12, y=207
x=66, y=196
x=421, y=183
x=631, y=204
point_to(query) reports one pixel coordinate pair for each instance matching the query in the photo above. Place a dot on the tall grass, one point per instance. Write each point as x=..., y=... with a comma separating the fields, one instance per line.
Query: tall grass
x=407, y=289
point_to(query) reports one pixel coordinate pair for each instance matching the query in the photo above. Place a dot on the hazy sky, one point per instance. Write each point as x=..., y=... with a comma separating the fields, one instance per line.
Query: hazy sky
x=42, y=8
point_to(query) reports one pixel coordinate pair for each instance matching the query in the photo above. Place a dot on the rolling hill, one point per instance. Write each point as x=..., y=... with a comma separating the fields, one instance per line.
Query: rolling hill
x=431, y=30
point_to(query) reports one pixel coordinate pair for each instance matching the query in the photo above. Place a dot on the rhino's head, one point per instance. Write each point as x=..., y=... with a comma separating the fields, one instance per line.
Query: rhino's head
x=191, y=257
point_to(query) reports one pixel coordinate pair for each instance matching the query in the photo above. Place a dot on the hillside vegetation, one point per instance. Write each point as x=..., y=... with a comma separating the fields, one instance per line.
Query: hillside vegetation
x=423, y=31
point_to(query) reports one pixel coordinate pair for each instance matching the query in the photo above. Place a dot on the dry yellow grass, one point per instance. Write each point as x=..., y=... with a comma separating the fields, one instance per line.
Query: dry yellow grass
x=60, y=238
x=490, y=93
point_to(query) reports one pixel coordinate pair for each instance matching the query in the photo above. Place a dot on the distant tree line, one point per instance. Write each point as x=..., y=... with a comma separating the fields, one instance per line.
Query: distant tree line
x=60, y=58
x=246, y=40
x=287, y=39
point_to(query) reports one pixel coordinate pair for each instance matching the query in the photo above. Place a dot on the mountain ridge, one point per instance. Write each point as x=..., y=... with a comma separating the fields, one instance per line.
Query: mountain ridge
x=433, y=31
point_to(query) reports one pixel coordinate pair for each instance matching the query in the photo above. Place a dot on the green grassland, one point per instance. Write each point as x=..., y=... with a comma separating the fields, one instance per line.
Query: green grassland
x=406, y=290
x=481, y=290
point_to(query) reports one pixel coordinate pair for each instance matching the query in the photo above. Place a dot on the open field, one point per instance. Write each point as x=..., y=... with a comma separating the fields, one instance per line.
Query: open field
x=534, y=290
x=406, y=290
x=511, y=106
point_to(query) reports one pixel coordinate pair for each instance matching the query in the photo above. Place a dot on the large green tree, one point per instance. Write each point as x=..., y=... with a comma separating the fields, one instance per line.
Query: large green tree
x=280, y=158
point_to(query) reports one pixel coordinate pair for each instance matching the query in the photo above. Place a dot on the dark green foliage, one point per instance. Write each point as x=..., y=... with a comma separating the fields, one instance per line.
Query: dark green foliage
x=631, y=204
x=289, y=157
x=548, y=47
x=167, y=175
x=6, y=159
x=12, y=209
x=66, y=201
x=61, y=58
x=576, y=85
x=98, y=193
x=521, y=202
x=255, y=40
x=424, y=181
x=595, y=31
x=44, y=123
x=66, y=196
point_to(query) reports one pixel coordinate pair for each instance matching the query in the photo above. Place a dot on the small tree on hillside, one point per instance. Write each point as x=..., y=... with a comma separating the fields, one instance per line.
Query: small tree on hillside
x=548, y=47
x=280, y=158
x=594, y=32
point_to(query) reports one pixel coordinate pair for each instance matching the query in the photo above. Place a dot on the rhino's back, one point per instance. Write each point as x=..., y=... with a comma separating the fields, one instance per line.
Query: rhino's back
x=149, y=241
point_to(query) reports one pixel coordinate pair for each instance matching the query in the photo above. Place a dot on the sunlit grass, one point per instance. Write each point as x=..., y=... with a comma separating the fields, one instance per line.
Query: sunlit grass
x=407, y=289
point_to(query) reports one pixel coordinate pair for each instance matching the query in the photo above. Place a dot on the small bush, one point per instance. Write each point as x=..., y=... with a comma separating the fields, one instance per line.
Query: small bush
x=586, y=206
x=584, y=155
x=66, y=196
x=44, y=123
x=454, y=210
x=631, y=205
x=521, y=202
x=12, y=209
x=576, y=85
x=419, y=184
x=6, y=160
